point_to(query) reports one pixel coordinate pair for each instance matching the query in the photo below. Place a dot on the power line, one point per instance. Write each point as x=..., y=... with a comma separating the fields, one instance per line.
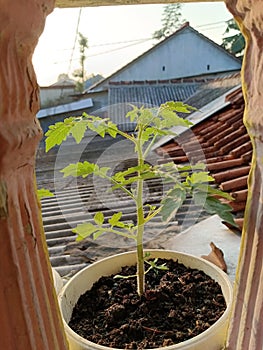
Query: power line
x=75, y=41
x=109, y=51
x=134, y=40
x=120, y=48
x=209, y=24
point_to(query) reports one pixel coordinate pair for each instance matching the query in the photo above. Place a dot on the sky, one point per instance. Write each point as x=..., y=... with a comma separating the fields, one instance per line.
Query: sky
x=116, y=35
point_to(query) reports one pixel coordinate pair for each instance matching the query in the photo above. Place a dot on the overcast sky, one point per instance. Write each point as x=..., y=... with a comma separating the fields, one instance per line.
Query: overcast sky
x=116, y=35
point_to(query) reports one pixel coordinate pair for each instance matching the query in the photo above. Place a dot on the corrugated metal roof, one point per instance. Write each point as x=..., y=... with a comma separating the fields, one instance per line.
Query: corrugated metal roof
x=150, y=94
x=65, y=108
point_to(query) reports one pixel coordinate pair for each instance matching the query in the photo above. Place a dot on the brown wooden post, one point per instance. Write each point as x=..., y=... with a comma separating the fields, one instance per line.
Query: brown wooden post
x=29, y=317
x=246, y=330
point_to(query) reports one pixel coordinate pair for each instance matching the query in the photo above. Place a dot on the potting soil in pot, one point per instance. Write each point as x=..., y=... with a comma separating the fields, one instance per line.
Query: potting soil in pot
x=179, y=303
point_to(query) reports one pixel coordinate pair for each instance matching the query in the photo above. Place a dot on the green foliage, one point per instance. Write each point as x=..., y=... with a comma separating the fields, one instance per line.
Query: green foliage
x=234, y=43
x=171, y=20
x=182, y=181
x=80, y=72
x=43, y=193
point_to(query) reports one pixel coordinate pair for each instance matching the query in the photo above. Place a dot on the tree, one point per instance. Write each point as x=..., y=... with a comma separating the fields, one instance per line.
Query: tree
x=171, y=20
x=80, y=72
x=234, y=43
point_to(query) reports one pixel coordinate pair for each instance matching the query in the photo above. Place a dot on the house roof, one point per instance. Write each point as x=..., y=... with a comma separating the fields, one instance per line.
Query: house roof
x=183, y=28
x=65, y=108
x=152, y=94
x=195, y=91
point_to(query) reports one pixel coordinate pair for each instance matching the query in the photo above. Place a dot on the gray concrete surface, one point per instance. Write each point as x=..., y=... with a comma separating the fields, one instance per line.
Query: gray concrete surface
x=196, y=240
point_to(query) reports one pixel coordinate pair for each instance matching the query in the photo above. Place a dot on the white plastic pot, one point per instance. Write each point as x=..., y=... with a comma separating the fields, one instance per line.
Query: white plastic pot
x=58, y=281
x=211, y=339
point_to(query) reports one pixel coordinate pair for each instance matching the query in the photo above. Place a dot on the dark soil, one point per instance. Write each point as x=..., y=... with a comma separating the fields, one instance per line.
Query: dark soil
x=178, y=304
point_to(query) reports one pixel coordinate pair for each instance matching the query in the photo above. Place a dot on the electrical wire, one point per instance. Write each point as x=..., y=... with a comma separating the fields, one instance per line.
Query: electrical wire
x=75, y=41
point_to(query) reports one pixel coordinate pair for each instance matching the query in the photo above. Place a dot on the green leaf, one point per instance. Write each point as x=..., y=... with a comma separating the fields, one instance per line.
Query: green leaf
x=154, y=265
x=84, y=230
x=217, y=192
x=98, y=233
x=133, y=114
x=172, y=202
x=178, y=106
x=114, y=220
x=43, y=192
x=197, y=166
x=112, y=129
x=102, y=172
x=145, y=117
x=223, y=210
x=199, y=177
x=99, y=218
x=78, y=130
x=79, y=169
x=147, y=134
x=199, y=197
x=58, y=133
x=171, y=119
x=214, y=205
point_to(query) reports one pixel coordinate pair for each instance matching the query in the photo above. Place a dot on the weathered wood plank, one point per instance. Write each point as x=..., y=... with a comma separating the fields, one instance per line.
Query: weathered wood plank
x=87, y=3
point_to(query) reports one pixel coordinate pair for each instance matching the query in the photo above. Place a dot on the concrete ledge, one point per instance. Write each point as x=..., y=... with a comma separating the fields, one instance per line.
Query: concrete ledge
x=196, y=240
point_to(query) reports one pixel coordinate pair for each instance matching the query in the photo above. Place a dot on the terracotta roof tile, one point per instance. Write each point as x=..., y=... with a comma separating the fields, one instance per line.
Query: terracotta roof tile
x=224, y=141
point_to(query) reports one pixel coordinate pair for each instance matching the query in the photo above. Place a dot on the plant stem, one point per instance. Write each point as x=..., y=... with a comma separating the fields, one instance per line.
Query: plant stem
x=140, y=222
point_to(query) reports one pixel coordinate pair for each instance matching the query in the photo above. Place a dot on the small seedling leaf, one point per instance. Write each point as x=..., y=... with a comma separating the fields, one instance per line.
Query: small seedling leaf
x=84, y=230
x=115, y=219
x=99, y=218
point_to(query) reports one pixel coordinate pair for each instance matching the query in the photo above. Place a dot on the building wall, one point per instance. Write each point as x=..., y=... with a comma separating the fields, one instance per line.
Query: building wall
x=185, y=54
x=54, y=95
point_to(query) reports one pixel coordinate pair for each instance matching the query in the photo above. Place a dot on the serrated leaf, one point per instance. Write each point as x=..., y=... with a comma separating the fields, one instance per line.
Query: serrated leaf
x=133, y=114
x=197, y=166
x=98, y=233
x=112, y=129
x=43, y=192
x=114, y=220
x=223, y=210
x=171, y=119
x=217, y=192
x=200, y=177
x=102, y=172
x=172, y=202
x=79, y=169
x=178, y=106
x=58, y=133
x=147, y=134
x=84, y=230
x=78, y=130
x=214, y=205
x=145, y=117
x=99, y=218
x=199, y=197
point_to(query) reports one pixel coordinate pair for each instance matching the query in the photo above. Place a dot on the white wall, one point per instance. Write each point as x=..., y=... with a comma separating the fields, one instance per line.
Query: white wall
x=54, y=94
x=185, y=54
